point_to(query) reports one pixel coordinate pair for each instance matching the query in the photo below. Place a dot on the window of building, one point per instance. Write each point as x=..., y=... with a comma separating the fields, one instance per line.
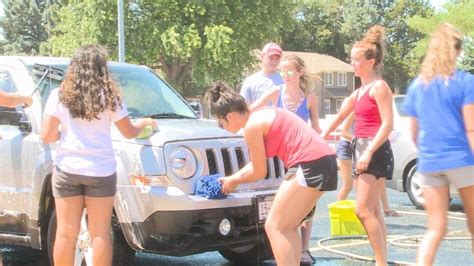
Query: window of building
x=327, y=106
x=338, y=104
x=341, y=79
x=328, y=79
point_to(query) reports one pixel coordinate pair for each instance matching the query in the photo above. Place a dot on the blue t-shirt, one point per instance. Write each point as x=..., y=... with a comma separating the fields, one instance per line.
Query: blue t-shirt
x=256, y=84
x=442, y=139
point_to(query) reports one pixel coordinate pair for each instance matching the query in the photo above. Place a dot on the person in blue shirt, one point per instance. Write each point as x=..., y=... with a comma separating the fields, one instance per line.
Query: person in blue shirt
x=440, y=102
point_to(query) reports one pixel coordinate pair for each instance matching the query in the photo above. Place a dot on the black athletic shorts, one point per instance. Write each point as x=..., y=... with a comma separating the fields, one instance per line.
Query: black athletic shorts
x=381, y=164
x=320, y=173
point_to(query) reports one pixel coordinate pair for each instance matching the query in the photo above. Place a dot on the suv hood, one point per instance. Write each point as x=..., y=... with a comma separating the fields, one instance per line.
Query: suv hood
x=170, y=130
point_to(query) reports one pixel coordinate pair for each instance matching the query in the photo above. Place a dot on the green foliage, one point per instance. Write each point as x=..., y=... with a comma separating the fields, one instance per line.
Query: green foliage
x=192, y=43
x=332, y=27
x=458, y=13
x=84, y=22
x=24, y=26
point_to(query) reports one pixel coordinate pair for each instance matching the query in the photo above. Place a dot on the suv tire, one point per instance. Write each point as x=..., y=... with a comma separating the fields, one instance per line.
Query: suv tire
x=250, y=255
x=413, y=189
x=122, y=254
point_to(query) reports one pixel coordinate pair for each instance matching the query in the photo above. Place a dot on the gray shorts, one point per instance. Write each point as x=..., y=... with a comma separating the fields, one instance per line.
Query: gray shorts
x=70, y=185
x=458, y=177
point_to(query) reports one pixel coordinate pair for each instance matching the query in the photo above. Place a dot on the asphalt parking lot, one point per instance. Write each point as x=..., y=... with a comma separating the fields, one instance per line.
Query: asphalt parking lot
x=453, y=251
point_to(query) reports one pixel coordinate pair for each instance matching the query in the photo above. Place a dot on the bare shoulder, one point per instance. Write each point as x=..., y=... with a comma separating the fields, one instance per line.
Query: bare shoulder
x=381, y=89
x=261, y=118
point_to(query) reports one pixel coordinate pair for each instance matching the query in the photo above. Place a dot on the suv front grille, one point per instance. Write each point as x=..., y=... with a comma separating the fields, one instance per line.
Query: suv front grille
x=229, y=160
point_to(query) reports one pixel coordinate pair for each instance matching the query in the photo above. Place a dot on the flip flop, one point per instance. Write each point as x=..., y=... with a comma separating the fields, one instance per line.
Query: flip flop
x=391, y=213
x=313, y=260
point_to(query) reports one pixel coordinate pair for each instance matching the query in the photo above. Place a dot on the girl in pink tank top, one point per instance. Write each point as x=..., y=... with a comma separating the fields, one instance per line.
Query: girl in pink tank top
x=311, y=164
x=372, y=156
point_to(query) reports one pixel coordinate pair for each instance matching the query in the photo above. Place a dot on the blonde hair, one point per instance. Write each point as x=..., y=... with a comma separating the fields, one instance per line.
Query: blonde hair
x=306, y=84
x=443, y=50
x=373, y=46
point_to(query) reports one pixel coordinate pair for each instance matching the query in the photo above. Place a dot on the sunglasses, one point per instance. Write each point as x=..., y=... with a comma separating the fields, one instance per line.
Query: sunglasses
x=288, y=73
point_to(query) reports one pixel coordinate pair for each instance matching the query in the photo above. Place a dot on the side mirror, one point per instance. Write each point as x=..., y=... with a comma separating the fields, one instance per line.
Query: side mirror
x=13, y=117
x=197, y=108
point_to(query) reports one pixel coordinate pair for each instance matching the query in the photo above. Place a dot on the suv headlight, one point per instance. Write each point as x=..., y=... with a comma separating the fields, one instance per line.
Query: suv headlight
x=183, y=162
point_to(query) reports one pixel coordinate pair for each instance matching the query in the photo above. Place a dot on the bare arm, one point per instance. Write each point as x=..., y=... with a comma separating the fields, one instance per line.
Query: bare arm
x=257, y=167
x=13, y=100
x=468, y=114
x=131, y=130
x=347, y=125
x=341, y=116
x=50, y=129
x=313, y=112
x=268, y=96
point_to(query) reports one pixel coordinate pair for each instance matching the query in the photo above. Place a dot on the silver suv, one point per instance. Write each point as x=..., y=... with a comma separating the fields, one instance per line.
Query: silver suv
x=155, y=207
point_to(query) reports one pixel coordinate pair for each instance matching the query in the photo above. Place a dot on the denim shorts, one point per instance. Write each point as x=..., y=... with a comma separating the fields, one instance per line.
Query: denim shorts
x=70, y=185
x=343, y=150
x=382, y=162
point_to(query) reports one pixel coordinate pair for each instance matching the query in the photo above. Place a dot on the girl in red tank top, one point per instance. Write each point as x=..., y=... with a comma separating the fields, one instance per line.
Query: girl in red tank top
x=312, y=167
x=372, y=155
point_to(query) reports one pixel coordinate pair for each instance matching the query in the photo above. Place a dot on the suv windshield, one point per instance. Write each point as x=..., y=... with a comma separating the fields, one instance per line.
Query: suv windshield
x=145, y=94
x=399, y=105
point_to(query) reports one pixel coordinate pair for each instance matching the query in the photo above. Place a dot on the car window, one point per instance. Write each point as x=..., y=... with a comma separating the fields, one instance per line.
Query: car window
x=399, y=105
x=144, y=92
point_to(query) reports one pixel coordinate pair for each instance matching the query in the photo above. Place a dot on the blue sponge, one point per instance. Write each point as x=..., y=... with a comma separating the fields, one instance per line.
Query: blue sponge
x=209, y=187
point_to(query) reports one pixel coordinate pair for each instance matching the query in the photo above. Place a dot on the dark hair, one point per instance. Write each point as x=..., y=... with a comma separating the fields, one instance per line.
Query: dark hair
x=373, y=45
x=87, y=89
x=223, y=100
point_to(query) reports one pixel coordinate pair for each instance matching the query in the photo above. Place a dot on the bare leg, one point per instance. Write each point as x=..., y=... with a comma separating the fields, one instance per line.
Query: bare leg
x=468, y=202
x=306, y=227
x=384, y=199
x=345, y=167
x=68, y=212
x=369, y=213
x=99, y=213
x=292, y=203
x=437, y=208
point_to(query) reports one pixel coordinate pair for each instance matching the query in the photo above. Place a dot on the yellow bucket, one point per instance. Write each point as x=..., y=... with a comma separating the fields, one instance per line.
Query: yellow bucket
x=344, y=222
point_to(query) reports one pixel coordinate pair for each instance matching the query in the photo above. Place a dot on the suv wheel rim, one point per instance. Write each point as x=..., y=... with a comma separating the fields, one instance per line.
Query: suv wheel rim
x=416, y=189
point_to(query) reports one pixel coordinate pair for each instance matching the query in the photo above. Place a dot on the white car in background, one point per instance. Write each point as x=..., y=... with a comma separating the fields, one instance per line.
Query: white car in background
x=405, y=155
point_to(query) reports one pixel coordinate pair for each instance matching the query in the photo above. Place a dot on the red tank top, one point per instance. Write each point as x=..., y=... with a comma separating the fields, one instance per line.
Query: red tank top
x=293, y=140
x=367, y=116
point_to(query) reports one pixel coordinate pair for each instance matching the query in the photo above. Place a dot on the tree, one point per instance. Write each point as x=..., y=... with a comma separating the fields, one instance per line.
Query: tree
x=458, y=13
x=24, y=26
x=332, y=27
x=193, y=43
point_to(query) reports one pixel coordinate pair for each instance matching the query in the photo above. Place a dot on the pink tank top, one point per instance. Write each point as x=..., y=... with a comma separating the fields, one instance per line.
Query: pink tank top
x=293, y=140
x=367, y=116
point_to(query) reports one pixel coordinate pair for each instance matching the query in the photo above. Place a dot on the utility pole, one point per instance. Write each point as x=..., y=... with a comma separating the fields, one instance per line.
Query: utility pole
x=121, y=31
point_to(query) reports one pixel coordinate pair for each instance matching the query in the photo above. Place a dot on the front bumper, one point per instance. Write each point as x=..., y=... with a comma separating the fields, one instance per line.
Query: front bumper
x=181, y=233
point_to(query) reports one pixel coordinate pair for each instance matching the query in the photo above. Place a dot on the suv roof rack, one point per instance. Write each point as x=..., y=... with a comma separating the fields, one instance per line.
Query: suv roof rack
x=48, y=71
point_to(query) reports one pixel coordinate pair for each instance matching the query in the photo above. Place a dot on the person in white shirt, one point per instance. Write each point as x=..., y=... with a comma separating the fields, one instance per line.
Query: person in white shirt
x=80, y=114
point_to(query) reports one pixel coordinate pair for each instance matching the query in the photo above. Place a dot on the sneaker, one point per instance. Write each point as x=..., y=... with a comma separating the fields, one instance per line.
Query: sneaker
x=307, y=258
